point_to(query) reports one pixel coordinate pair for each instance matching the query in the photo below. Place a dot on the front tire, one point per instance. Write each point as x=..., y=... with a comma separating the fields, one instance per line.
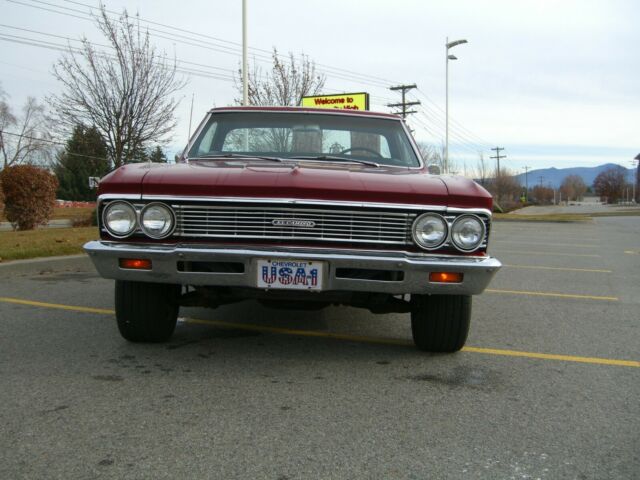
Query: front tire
x=146, y=312
x=440, y=323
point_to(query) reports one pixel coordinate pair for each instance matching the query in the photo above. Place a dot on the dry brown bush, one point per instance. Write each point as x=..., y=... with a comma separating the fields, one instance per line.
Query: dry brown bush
x=30, y=193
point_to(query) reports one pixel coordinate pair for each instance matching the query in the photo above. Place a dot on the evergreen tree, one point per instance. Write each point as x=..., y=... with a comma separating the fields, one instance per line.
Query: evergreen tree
x=84, y=156
x=156, y=155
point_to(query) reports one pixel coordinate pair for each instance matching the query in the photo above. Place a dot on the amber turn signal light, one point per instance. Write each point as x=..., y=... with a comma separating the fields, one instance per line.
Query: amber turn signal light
x=445, y=277
x=135, y=263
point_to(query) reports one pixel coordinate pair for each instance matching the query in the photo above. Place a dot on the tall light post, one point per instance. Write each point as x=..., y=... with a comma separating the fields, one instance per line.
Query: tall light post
x=448, y=57
x=245, y=87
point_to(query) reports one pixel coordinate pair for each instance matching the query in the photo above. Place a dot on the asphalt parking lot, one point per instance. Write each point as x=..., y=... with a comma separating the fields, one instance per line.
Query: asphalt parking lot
x=548, y=386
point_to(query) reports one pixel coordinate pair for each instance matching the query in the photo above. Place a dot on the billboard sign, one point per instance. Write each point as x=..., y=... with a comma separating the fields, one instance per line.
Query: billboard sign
x=342, y=101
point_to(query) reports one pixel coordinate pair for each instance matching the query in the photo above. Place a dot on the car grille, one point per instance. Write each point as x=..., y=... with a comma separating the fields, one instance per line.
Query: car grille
x=272, y=223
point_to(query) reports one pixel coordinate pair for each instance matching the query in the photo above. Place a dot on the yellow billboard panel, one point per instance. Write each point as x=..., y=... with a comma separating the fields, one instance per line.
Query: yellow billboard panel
x=342, y=101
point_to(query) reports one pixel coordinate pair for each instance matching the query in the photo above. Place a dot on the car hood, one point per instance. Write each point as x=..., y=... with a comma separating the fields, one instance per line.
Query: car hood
x=305, y=181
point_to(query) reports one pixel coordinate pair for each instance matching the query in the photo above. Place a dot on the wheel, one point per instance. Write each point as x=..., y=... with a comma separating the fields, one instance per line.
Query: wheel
x=146, y=312
x=440, y=323
x=364, y=149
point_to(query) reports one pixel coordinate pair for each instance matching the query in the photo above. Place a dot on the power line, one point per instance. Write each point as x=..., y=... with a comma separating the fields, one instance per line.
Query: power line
x=331, y=71
x=233, y=48
x=29, y=137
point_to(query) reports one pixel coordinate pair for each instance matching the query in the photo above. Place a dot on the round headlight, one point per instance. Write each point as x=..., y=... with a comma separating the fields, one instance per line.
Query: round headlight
x=430, y=230
x=120, y=219
x=157, y=220
x=467, y=232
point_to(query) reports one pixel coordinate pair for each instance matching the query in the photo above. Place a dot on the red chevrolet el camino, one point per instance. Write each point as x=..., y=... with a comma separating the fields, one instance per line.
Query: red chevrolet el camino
x=300, y=208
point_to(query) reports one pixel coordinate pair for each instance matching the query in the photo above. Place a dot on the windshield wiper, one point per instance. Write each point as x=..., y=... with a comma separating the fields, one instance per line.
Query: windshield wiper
x=337, y=159
x=224, y=156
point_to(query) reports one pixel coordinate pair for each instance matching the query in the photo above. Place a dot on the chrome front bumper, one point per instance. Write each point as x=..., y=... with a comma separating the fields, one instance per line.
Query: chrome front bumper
x=477, y=271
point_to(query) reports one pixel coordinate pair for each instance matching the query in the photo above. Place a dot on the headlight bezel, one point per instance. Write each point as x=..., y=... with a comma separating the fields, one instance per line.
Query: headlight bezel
x=415, y=236
x=483, y=232
x=172, y=216
x=108, y=208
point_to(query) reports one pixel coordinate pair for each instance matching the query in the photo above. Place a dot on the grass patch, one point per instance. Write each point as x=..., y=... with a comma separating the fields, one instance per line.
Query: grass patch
x=71, y=213
x=618, y=213
x=44, y=242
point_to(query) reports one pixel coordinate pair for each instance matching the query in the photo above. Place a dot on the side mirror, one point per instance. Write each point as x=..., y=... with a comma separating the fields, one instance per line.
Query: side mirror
x=434, y=169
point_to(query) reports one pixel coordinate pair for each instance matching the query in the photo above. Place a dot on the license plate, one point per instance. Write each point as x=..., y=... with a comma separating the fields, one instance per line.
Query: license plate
x=290, y=274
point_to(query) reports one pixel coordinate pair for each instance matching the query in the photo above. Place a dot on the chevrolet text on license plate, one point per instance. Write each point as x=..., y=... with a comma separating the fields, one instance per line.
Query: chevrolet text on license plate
x=290, y=274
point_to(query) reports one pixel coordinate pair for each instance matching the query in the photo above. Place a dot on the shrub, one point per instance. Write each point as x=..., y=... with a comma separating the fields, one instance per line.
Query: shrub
x=29, y=195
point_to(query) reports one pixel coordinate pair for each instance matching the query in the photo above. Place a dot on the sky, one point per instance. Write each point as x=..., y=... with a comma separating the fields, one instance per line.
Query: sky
x=556, y=83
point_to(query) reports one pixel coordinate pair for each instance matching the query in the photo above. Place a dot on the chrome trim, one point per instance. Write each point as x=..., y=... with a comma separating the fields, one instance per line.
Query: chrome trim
x=330, y=225
x=185, y=152
x=119, y=196
x=478, y=211
x=295, y=201
x=478, y=271
x=484, y=238
x=135, y=226
x=414, y=236
x=173, y=220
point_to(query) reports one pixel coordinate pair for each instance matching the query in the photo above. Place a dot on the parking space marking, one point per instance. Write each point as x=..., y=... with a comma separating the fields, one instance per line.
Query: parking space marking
x=73, y=308
x=524, y=242
x=341, y=336
x=550, y=356
x=563, y=269
x=553, y=294
x=556, y=254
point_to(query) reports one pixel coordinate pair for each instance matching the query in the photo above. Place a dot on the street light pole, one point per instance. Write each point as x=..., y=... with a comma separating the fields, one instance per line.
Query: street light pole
x=245, y=87
x=448, y=57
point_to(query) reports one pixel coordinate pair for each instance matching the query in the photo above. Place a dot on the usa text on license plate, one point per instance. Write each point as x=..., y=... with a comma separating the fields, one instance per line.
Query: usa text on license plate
x=290, y=274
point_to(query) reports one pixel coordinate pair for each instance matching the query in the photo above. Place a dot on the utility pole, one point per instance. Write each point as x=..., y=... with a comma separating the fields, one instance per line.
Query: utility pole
x=498, y=157
x=526, y=183
x=404, y=104
x=498, y=182
x=540, y=178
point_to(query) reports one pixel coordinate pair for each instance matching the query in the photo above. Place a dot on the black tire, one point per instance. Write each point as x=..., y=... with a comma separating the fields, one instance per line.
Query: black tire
x=146, y=312
x=440, y=323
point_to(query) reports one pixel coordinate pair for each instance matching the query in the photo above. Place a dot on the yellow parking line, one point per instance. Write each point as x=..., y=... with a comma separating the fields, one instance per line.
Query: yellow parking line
x=341, y=336
x=564, y=269
x=73, y=308
x=557, y=254
x=552, y=294
x=518, y=242
x=549, y=356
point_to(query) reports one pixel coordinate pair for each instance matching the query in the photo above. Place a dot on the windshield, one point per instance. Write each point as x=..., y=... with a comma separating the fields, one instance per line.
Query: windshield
x=321, y=137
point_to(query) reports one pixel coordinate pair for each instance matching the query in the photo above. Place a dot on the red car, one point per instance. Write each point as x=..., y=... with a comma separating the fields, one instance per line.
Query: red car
x=300, y=208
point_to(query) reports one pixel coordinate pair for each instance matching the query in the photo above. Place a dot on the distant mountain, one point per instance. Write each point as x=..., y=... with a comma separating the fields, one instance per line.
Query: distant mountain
x=555, y=176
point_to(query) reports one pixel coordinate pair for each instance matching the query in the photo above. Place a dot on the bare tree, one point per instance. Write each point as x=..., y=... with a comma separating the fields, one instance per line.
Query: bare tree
x=433, y=155
x=610, y=184
x=24, y=138
x=573, y=187
x=126, y=95
x=285, y=84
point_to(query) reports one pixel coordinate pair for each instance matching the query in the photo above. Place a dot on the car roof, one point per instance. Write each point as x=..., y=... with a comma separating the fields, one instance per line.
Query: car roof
x=327, y=111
